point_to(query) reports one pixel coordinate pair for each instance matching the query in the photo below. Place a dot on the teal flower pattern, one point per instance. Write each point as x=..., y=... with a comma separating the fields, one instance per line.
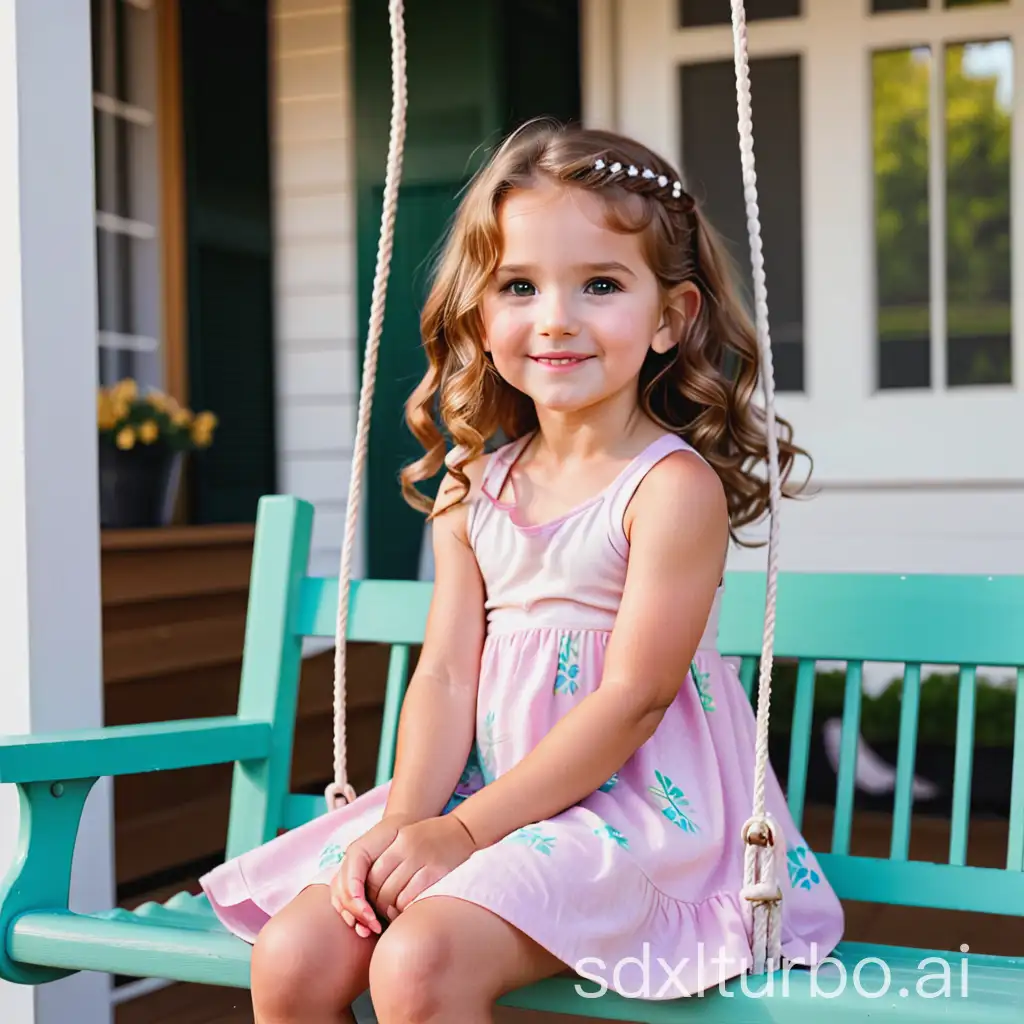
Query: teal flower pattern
x=700, y=680
x=801, y=876
x=608, y=786
x=486, y=742
x=610, y=832
x=332, y=854
x=673, y=796
x=566, y=681
x=534, y=837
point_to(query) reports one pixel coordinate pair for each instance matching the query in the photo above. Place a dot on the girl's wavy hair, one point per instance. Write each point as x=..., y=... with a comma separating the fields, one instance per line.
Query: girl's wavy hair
x=702, y=389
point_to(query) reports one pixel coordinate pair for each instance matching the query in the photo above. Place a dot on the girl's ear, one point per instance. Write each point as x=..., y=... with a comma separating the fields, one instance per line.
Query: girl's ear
x=681, y=309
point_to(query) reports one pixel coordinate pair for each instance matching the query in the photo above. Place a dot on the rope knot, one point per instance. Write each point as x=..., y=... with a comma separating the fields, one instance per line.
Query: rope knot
x=338, y=794
x=759, y=831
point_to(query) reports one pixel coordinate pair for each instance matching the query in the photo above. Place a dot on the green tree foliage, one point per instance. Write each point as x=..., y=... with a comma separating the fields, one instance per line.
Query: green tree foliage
x=977, y=149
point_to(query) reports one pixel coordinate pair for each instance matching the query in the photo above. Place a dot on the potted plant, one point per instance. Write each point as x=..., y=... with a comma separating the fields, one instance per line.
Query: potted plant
x=143, y=440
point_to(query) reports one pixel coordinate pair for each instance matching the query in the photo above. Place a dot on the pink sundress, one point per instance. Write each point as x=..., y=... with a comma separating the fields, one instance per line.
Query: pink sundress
x=648, y=868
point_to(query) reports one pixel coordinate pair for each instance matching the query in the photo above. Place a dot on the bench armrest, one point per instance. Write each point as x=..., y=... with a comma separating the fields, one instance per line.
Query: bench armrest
x=131, y=749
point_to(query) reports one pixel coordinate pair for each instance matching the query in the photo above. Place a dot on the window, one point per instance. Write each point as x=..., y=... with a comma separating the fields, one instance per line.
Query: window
x=881, y=6
x=695, y=13
x=128, y=198
x=711, y=166
x=942, y=121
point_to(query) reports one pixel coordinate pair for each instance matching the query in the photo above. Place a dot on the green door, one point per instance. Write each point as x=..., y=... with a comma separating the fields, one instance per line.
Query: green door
x=472, y=77
x=225, y=107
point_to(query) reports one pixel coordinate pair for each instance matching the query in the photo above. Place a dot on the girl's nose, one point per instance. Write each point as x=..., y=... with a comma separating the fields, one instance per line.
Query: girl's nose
x=557, y=319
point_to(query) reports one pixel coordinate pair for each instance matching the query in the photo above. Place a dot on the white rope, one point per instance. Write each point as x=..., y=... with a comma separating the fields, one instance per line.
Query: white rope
x=340, y=790
x=761, y=834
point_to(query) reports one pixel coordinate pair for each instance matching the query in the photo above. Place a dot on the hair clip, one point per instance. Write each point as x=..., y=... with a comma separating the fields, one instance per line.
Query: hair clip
x=643, y=172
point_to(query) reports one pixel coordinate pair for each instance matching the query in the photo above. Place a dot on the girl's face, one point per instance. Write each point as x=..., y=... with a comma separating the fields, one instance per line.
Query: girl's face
x=573, y=308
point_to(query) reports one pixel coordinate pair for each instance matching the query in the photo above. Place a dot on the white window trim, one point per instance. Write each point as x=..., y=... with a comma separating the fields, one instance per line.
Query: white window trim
x=858, y=435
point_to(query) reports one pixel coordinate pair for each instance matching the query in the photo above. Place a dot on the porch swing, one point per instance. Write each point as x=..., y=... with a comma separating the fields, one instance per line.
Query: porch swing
x=962, y=621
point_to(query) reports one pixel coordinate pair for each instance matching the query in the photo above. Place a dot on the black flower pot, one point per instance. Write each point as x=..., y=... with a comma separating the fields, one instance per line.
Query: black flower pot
x=138, y=487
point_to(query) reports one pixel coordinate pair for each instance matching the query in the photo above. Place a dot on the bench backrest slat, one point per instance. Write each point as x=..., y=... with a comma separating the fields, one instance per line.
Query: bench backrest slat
x=903, y=797
x=949, y=620
x=842, y=825
x=968, y=623
x=1015, y=847
x=800, y=745
x=963, y=768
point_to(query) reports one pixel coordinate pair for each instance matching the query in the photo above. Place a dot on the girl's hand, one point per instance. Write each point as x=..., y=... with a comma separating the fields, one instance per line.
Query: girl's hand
x=348, y=887
x=422, y=853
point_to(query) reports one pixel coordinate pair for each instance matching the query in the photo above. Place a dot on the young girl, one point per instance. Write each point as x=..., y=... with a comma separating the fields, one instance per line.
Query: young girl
x=575, y=760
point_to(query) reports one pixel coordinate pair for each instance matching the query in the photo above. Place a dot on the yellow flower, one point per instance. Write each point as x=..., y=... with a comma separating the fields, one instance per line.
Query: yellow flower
x=125, y=390
x=106, y=414
x=157, y=400
x=202, y=429
x=201, y=438
x=125, y=438
x=149, y=432
x=181, y=417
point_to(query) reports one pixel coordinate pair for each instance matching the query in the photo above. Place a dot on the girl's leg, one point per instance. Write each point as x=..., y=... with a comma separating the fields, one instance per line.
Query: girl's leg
x=444, y=959
x=308, y=966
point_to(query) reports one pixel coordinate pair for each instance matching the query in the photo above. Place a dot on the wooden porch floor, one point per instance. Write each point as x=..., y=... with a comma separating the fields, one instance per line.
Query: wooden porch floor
x=900, y=926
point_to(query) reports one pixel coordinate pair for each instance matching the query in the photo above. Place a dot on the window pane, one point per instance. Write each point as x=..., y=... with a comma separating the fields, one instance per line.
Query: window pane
x=880, y=6
x=973, y=3
x=711, y=165
x=900, y=80
x=979, y=97
x=694, y=13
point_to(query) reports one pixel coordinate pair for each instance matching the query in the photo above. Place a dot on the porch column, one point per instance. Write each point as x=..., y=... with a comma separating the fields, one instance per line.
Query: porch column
x=49, y=534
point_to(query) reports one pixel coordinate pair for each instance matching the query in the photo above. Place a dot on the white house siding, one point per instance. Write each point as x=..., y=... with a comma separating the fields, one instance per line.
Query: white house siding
x=941, y=529
x=314, y=213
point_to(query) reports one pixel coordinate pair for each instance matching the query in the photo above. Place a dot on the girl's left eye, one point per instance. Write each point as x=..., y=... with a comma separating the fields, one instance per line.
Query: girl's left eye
x=602, y=286
x=519, y=288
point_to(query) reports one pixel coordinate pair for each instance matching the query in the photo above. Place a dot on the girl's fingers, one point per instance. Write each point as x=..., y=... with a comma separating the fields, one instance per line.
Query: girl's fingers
x=353, y=893
x=422, y=879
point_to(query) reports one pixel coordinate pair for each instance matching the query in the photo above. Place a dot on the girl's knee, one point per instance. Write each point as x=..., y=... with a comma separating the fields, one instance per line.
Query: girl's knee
x=307, y=962
x=413, y=973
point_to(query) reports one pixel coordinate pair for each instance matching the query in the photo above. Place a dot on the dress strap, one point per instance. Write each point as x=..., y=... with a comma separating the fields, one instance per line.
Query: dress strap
x=500, y=464
x=632, y=477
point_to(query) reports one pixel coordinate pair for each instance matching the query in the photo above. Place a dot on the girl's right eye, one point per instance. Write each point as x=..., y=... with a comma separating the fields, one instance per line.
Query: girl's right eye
x=519, y=288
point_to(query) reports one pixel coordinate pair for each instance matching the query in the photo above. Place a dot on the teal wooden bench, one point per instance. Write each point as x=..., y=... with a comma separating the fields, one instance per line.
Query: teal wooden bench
x=959, y=621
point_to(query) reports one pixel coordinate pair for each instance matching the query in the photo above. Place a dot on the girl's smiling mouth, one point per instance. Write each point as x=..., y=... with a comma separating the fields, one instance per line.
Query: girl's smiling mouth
x=560, y=360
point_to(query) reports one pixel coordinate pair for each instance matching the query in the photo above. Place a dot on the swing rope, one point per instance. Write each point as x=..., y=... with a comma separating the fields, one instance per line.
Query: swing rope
x=760, y=833
x=340, y=790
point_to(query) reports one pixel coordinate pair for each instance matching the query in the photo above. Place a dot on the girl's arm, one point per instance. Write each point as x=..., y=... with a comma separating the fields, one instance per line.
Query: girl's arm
x=437, y=723
x=678, y=530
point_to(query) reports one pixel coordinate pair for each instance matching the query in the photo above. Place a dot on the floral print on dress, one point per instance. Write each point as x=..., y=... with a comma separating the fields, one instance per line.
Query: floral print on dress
x=566, y=681
x=486, y=743
x=673, y=796
x=332, y=854
x=471, y=780
x=611, y=832
x=700, y=680
x=801, y=876
x=608, y=786
x=534, y=837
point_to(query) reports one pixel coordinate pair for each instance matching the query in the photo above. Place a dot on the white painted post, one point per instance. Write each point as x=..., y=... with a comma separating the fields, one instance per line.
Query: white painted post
x=49, y=534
